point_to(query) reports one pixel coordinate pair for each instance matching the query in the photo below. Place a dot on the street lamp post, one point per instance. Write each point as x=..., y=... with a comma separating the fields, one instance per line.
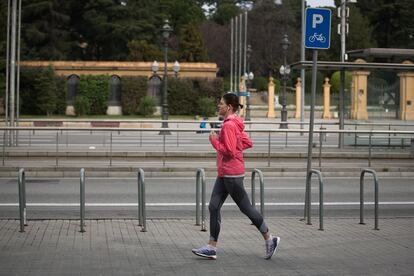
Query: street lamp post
x=284, y=72
x=249, y=78
x=166, y=30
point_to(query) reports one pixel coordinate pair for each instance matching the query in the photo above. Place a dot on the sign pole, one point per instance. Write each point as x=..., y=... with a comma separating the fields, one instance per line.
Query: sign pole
x=317, y=36
x=310, y=142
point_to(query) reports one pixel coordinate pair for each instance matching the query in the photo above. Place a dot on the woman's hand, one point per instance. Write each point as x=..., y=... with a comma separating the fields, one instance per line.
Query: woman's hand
x=213, y=135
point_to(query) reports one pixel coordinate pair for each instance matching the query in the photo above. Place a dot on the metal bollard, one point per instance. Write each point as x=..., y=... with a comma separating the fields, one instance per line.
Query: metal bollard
x=261, y=179
x=22, y=199
x=142, y=215
x=361, y=197
x=412, y=147
x=201, y=180
x=82, y=200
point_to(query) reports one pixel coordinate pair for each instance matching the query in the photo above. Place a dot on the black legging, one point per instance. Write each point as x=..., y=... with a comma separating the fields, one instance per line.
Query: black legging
x=233, y=186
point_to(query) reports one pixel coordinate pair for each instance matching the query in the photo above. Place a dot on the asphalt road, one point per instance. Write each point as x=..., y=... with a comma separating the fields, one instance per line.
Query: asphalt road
x=175, y=197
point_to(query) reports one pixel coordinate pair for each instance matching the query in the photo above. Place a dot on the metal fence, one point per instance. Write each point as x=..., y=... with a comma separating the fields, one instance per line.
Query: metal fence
x=106, y=143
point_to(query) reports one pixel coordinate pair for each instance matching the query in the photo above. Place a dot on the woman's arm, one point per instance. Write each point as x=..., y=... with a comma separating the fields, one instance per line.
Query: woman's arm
x=229, y=144
x=246, y=141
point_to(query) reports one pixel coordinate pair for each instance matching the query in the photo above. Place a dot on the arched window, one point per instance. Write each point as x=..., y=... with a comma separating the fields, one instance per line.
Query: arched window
x=154, y=89
x=72, y=85
x=114, y=91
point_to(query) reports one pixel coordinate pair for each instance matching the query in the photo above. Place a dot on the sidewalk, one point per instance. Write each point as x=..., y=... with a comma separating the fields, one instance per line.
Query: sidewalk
x=117, y=247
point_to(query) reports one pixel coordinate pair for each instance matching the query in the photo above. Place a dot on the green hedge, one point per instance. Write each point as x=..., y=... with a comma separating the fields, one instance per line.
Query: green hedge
x=132, y=90
x=96, y=90
x=41, y=92
x=184, y=94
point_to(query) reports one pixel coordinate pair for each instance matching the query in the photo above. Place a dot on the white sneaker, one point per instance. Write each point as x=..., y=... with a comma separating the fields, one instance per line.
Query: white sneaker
x=206, y=252
x=272, y=247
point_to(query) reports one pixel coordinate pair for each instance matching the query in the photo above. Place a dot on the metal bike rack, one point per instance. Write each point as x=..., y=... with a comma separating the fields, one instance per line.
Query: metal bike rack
x=308, y=199
x=22, y=199
x=201, y=192
x=142, y=215
x=259, y=172
x=361, y=197
x=82, y=200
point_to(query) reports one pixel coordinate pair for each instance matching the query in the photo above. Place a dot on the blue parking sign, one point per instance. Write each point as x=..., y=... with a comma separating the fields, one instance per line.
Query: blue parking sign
x=318, y=28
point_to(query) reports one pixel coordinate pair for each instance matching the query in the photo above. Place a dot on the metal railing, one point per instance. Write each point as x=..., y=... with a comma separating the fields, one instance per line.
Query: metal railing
x=22, y=198
x=142, y=214
x=82, y=199
x=201, y=193
x=361, y=197
x=307, y=213
x=260, y=143
x=259, y=172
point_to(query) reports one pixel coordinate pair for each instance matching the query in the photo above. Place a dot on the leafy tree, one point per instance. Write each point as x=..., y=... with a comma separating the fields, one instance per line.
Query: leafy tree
x=217, y=44
x=141, y=50
x=391, y=20
x=335, y=81
x=45, y=30
x=225, y=12
x=191, y=45
x=359, y=36
x=102, y=28
x=268, y=23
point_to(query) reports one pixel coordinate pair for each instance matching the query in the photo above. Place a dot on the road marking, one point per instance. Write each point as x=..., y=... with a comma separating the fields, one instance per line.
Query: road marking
x=193, y=204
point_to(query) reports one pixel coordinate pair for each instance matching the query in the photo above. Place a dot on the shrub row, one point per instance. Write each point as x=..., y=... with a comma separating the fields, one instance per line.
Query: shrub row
x=44, y=93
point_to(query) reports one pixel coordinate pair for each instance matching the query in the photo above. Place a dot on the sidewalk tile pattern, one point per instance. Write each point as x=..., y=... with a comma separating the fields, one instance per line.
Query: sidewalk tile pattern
x=118, y=247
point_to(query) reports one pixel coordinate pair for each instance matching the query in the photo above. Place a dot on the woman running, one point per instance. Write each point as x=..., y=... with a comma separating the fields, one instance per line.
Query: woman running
x=229, y=145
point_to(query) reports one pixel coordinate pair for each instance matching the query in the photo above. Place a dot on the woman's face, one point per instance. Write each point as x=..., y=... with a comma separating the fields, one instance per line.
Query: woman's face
x=223, y=108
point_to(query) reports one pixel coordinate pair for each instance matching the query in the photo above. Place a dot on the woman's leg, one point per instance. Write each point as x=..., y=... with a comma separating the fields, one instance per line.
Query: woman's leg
x=235, y=188
x=218, y=196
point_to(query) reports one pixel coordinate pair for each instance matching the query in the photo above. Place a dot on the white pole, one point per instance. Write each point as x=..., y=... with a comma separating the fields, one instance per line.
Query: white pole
x=231, y=53
x=245, y=42
x=13, y=68
x=302, y=71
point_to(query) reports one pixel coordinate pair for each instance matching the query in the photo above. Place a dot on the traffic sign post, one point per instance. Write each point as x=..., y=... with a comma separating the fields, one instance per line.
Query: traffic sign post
x=317, y=36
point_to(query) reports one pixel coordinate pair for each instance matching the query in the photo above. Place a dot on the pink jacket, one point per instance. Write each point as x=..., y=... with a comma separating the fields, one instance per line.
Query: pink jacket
x=231, y=142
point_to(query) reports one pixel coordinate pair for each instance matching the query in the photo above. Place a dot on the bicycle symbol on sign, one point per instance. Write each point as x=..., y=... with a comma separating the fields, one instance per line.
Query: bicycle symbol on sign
x=317, y=37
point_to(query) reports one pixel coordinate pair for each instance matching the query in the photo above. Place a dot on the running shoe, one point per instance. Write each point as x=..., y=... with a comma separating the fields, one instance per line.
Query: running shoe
x=272, y=247
x=206, y=252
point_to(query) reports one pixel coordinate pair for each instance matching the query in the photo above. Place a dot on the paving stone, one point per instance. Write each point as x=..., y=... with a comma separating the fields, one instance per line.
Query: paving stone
x=118, y=247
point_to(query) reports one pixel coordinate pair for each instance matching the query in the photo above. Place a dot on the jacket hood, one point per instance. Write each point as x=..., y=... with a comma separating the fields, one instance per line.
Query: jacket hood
x=236, y=120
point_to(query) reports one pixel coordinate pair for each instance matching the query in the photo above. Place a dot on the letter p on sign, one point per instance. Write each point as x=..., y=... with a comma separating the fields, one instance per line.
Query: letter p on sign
x=317, y=19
